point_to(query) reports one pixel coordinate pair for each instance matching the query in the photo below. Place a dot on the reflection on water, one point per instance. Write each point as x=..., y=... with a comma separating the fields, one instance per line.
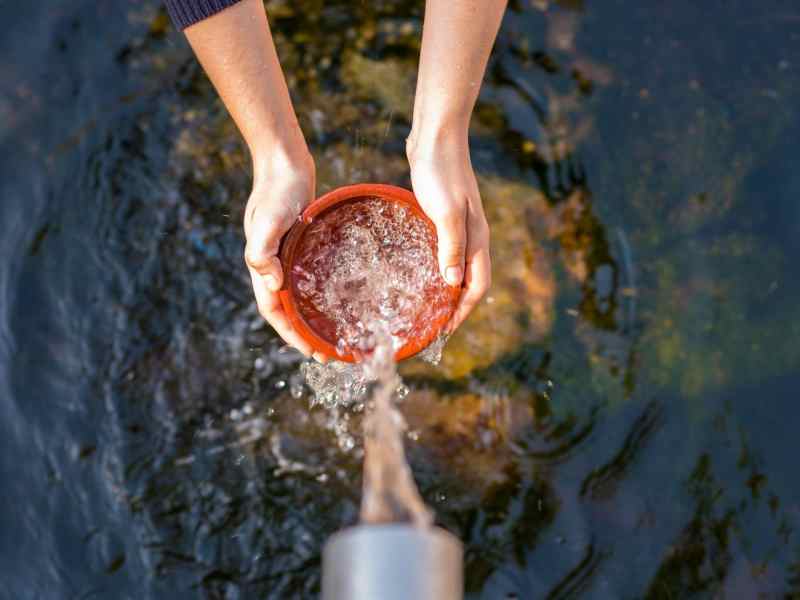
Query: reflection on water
x=616, y=418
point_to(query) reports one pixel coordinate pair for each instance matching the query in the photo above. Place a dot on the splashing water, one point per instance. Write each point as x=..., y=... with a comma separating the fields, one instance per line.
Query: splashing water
x=389, y=491
x=374, y=286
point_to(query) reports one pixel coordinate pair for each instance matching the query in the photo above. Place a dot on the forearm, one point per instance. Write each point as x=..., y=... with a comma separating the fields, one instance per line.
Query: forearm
x=236, y=50
x=457, y=38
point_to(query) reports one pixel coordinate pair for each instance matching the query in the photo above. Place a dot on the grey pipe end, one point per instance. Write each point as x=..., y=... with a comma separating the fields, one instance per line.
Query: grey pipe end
x=392, y=562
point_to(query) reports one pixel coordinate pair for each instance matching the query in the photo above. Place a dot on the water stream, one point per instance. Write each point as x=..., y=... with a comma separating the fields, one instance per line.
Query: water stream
x=366, y=275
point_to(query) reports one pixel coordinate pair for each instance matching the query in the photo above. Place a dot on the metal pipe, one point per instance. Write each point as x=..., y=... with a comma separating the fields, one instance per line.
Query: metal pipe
x=392, y=562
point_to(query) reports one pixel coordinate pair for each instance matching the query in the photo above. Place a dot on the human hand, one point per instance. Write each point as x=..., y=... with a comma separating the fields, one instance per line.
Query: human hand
x=281, y=190
x=445, y=186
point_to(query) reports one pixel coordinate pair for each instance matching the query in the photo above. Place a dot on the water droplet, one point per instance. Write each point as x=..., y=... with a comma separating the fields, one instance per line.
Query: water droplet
x=296, y=389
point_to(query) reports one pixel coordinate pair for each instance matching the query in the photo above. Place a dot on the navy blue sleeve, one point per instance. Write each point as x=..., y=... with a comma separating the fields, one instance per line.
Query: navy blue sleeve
x=188, y=12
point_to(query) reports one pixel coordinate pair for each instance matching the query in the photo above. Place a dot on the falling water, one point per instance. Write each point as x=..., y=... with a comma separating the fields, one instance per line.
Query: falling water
x=389, y=491
x=377, y=284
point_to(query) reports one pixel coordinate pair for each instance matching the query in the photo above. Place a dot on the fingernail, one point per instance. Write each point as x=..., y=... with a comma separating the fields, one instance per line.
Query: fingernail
x=271, y=282
x=453, y=275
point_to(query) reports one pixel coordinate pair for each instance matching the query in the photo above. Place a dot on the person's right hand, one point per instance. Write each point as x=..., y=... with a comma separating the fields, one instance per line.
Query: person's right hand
x=446, y=188
x=281, y=191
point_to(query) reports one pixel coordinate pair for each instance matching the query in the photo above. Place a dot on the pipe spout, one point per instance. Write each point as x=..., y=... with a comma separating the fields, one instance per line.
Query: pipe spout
x=392, y=562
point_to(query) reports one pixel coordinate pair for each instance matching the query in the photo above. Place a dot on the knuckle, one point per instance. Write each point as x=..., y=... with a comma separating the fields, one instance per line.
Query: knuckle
x=480, y=232
x=253, y=257
x=475, y=295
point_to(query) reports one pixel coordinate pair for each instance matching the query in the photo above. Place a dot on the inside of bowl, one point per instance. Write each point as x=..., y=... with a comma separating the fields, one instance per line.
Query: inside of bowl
x=367, y=267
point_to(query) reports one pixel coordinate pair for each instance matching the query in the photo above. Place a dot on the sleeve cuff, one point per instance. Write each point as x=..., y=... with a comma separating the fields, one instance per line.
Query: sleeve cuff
x=188, y=12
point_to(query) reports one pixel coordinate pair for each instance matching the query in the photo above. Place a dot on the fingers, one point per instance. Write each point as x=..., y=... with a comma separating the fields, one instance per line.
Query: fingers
x=477, y=281
x=269, y=305
x=452, y=242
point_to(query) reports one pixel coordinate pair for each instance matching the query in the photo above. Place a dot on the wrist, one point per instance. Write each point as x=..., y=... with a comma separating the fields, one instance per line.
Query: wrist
x=443, y=139
x=282, y=154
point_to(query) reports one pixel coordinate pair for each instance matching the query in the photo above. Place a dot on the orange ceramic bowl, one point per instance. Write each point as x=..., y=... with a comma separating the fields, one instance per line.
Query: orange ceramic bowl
x=315, y=333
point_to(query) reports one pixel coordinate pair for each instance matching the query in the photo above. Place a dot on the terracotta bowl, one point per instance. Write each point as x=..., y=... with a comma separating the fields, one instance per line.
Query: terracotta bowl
x=314, y=330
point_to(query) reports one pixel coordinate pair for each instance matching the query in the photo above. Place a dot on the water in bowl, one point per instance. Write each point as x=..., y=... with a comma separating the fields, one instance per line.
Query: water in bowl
x=369, y=261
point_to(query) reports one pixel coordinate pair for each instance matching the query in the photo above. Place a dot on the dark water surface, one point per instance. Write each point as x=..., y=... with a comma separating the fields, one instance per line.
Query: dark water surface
x=620, y=418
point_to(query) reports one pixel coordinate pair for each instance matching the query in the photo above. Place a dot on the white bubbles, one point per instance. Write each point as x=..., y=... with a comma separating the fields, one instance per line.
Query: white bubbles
x=335, y=384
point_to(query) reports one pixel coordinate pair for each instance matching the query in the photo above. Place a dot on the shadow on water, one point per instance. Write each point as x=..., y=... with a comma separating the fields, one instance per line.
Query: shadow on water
x=615, y=420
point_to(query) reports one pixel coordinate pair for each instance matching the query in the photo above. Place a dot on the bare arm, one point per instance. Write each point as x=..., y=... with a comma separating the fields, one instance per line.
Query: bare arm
x=236, y=50
x=456, y=42
x=457, y=38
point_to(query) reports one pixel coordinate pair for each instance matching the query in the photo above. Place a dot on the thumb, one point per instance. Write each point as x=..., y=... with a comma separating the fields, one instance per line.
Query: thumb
x=452, y=243
x=262, y=248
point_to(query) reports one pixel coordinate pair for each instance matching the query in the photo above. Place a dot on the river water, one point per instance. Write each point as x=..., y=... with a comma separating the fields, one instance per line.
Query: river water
x=617, y=420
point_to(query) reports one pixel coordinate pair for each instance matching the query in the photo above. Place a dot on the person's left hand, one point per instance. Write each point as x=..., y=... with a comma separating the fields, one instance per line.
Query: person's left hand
x=445, y=186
